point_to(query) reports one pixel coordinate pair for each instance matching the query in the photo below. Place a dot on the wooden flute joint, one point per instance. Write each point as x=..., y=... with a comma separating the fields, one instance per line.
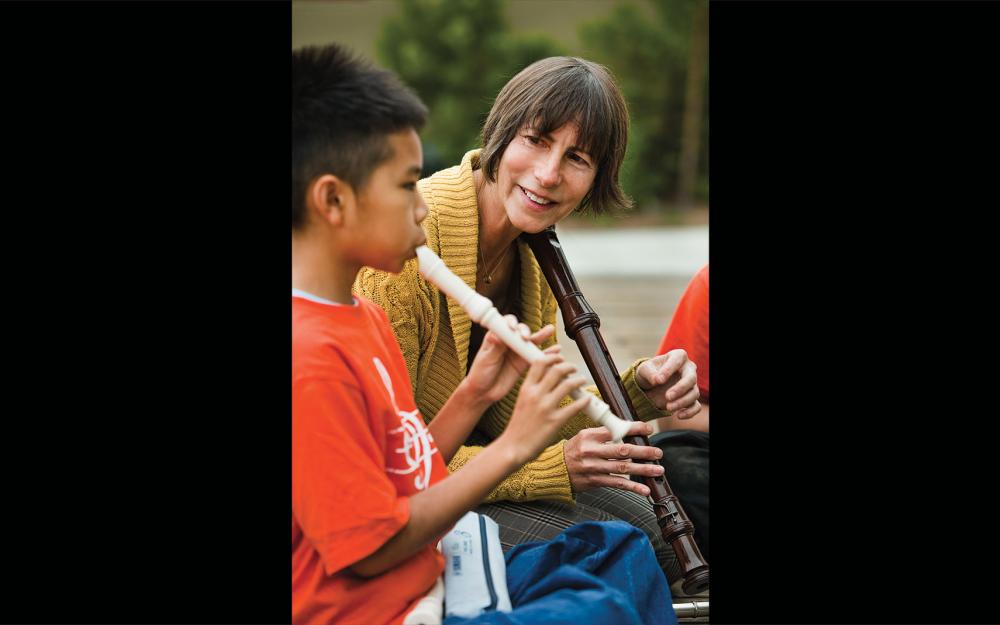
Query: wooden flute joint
x=586, y=320
x=670, y=519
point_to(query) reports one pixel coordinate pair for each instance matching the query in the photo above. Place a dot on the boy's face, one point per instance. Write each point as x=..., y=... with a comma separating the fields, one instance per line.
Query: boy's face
x=387, y=223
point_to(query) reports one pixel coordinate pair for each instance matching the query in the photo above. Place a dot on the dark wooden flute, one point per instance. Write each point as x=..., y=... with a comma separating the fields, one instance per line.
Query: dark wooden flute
x=582, y=325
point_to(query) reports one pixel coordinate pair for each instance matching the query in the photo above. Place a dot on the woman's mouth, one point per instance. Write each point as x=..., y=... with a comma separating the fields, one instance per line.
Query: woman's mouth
x=534, y=200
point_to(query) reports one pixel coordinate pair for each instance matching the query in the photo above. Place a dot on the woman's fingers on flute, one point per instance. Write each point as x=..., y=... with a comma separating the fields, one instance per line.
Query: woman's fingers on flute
x=627, y=467
x=635, y=428
x=592, y=459
x=624, y=451
x=619, y=483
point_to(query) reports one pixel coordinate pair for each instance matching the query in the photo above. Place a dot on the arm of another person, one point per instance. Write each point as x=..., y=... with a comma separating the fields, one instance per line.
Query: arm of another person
x=688, y=329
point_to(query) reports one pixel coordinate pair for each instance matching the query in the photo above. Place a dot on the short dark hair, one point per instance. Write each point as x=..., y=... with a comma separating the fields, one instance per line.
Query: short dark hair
x=343, y=108
x=550, y=93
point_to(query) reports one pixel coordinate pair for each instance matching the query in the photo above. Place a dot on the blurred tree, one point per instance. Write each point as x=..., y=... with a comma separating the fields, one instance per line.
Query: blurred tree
x=661, y=65
x=457, y=54
x=694, y=106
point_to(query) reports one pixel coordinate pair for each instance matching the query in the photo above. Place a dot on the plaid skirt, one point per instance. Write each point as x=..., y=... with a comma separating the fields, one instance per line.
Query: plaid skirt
x=525, y=522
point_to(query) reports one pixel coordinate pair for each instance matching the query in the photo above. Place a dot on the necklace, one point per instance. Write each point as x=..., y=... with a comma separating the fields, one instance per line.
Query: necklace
x=488, y=278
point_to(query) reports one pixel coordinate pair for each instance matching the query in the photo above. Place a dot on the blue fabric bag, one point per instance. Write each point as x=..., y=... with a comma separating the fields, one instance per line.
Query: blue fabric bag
x=590, y=574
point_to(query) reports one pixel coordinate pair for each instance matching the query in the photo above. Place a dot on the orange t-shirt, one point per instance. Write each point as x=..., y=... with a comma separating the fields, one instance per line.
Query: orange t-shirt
x=359, y=450
x=689, y=327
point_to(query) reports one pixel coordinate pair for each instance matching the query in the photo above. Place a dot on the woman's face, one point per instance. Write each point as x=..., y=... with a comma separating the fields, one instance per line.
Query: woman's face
x=542, y=178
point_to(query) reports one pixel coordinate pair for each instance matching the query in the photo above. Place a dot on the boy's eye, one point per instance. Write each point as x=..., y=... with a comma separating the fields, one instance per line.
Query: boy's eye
x=410, y=185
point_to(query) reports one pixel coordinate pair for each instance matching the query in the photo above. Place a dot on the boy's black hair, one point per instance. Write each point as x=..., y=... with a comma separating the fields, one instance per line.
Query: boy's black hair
x=343, y=108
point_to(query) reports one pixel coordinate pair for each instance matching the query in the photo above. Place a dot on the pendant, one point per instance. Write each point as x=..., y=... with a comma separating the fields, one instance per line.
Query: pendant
x=488, y=279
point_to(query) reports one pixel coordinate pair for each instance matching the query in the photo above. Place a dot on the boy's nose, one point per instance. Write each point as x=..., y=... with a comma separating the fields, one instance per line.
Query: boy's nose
x=421, y=212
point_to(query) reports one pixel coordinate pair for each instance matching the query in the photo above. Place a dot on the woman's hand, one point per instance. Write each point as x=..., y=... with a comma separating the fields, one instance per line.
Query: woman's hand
x=591, y=458
x=537, y=415
x=670, y=381
x=497, y=367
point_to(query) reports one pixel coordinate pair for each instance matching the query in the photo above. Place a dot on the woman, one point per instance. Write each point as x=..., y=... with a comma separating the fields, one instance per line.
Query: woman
x=552, y=143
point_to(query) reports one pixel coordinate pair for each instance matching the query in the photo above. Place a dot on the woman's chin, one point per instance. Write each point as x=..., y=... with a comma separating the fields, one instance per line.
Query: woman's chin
x=527, y=222
x=535, y=229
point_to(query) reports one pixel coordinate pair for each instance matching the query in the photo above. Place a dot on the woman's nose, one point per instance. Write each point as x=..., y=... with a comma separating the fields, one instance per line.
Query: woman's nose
x=547, y=171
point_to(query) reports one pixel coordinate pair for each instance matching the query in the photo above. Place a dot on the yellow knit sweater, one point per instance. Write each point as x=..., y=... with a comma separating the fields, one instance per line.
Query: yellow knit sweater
x=433, y=331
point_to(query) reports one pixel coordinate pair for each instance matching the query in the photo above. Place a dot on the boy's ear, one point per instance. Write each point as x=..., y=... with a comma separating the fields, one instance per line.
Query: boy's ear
x=329, y=198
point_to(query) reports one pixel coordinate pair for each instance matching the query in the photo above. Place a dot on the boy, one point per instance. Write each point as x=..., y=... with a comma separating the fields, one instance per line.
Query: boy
x=369, y=498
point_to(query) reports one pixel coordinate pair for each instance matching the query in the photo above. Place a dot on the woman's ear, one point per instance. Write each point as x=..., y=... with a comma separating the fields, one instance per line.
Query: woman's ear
x=329, y=198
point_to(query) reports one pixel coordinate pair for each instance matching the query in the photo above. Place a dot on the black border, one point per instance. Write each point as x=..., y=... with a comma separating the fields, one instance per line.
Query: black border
x=150, y=468
x=146, y=449
x=849, y=151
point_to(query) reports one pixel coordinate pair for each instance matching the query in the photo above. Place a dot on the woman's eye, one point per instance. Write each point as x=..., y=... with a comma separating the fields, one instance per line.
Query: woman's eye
x=533, y=139
x=410, y=185
x=579, y=160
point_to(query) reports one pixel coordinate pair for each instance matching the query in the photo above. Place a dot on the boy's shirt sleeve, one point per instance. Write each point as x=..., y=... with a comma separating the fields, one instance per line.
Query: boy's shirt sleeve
x=341, y=496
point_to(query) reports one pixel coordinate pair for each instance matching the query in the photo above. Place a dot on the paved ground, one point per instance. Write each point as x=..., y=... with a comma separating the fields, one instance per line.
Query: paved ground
x=632, y=279
x=679, y=251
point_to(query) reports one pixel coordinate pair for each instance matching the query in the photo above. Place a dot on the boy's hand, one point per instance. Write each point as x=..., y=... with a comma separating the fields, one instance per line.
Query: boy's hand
x=497, y=367
x=537, y=415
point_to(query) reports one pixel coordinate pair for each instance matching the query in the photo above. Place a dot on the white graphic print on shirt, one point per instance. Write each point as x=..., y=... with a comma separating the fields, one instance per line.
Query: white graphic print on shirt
x=418, y=444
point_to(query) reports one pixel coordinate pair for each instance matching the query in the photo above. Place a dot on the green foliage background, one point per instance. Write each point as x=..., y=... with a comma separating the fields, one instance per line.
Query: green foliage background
x=457, y=54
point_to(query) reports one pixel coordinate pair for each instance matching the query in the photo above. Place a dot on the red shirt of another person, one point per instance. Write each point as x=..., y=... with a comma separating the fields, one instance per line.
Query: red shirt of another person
x=359, y=450
x=689, y=327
